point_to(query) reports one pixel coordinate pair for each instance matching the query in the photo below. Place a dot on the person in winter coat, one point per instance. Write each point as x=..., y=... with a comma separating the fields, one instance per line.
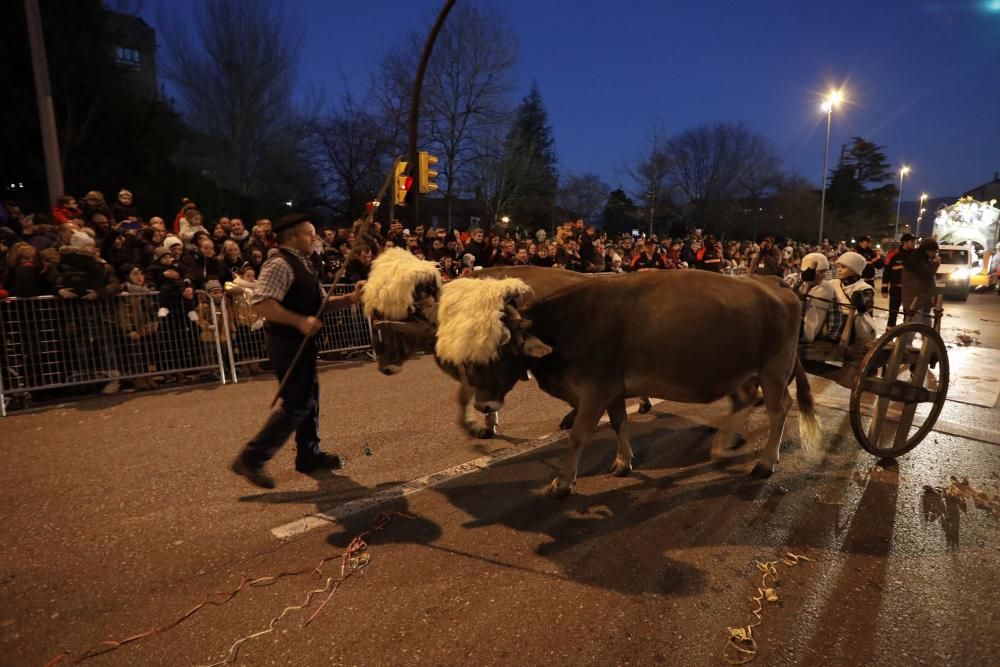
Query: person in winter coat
x=892, y=277
x=854, y=293
x=93, y=203
x=190, y=225
x=819, y=310
x=66, y=210
x=139, y=324
x=82, y=274
x=211, y=321
x=919, y=269
x=124, y=209
x=873, y=257
x=768, y=260
x=202, y=265
x=477, y=246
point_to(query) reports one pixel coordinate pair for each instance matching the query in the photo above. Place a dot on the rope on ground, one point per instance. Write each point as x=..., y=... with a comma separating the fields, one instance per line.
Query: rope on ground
x=741, y=647
x=355, y=558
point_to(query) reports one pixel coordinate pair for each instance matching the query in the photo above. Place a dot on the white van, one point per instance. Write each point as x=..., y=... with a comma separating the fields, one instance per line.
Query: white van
x=953, y=275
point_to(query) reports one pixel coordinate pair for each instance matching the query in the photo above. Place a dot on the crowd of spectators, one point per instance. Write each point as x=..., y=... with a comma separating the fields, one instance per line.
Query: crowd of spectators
x=86, y=249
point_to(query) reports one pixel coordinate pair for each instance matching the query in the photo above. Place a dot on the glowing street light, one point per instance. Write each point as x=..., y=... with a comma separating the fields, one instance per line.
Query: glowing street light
x=834, y=98
x=505, y=219
x=903, y=171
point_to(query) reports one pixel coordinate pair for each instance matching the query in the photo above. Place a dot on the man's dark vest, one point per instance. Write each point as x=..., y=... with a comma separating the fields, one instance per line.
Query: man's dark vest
x=303, y=296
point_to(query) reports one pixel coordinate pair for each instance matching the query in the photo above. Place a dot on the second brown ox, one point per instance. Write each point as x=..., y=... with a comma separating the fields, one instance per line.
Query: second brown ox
x=687, y=336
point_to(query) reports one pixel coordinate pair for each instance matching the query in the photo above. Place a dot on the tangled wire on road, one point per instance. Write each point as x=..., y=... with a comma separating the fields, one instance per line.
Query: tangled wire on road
x=741, y=647
x=353, y=559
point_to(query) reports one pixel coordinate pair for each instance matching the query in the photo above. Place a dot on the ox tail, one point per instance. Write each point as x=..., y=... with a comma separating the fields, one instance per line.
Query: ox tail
x=810, y=430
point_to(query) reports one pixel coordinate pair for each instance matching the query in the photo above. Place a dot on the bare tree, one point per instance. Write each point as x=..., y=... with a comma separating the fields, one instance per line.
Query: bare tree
x=465, y=95
x=712, y=166
x=583, y=194
x=236, y=75
x=650, y=174
x=351, y=147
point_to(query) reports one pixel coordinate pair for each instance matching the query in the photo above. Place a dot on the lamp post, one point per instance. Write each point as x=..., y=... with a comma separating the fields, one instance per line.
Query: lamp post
x=903, y=171
x=831, y=101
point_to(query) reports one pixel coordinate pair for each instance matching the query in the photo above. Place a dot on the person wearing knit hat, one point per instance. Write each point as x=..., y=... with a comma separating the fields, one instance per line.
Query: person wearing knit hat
x=818, y=310
x=854, y=293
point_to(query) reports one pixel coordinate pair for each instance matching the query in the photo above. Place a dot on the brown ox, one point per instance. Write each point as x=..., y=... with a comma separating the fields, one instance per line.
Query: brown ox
x=687, y=336
x=401, y=298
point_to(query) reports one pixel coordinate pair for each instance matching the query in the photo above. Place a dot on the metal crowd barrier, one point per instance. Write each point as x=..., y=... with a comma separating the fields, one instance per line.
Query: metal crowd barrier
x=49, y=343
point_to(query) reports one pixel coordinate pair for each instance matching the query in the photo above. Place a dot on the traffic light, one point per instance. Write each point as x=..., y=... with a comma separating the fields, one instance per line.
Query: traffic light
x=403, y=183
x=425, y=174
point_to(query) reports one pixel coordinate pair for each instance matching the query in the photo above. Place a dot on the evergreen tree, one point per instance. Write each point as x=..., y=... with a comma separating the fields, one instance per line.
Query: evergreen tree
x=861, y=192
x=531, y=147
x=621, y=215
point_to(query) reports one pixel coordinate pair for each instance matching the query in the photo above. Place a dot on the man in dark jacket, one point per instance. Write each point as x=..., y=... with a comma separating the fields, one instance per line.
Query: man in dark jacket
x=919, y=269
x=767, y=262
x=892, y=277
x=477, y=246
x=873, y=257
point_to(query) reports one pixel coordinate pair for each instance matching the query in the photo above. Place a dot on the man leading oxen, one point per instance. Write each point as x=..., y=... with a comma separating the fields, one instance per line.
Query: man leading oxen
x=401, y=299
x=580, y=346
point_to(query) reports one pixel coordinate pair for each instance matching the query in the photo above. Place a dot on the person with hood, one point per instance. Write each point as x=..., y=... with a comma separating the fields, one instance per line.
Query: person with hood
x=892, y=277
x=919, y=269
x=854, y=293
x=819, y=310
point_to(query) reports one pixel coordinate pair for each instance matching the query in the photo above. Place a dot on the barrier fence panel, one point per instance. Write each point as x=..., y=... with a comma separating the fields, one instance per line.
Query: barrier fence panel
x=50, y=342
x=346, y=330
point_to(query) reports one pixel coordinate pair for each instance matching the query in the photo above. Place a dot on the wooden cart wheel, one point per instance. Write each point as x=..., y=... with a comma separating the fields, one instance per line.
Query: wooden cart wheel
x=906, y=366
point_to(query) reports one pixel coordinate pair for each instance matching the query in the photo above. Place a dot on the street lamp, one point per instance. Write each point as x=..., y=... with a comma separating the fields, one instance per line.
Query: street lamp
x=903, y=171
x=833, y=99
x=505, y=219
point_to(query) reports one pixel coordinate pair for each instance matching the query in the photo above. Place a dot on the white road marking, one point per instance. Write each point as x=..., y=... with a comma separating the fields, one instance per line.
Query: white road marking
x=320, y=519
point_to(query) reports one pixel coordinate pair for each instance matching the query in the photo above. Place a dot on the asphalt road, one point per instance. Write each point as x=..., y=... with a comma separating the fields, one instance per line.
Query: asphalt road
x=120, y=515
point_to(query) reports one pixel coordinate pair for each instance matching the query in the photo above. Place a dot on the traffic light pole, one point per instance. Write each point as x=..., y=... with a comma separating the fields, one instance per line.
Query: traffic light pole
x=418, y=84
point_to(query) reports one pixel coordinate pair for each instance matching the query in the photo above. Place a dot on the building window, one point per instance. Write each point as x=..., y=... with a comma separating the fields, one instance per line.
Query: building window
x=128, y=57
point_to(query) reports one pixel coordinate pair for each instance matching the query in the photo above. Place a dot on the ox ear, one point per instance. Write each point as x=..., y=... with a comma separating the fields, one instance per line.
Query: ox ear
x=534, y=347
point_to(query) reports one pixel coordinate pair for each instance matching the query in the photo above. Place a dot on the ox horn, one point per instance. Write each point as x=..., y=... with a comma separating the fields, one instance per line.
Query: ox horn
x=515, y=321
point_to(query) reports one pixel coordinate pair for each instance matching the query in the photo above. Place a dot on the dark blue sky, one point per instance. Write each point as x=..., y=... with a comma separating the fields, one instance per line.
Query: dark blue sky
x=922, y=77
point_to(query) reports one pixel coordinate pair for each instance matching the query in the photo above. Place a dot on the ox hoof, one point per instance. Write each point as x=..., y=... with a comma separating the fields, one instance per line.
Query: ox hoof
x=486, y=432
x=762, y=471
x=557, y=491
x=645, y=407
x=619, y=469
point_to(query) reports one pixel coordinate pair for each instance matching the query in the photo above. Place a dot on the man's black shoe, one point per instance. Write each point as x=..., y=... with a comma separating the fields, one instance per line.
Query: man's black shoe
x=256, y=475
x=321, y=461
